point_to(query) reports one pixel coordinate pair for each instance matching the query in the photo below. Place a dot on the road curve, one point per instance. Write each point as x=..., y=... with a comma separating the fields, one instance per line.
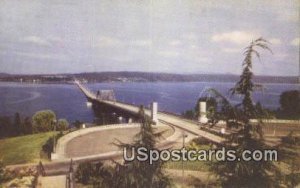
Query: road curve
x=171, y=119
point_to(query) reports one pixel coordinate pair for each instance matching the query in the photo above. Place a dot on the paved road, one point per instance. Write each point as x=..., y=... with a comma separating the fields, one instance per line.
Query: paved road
x=84, y=143
x=99, y=140
x=62, y=164
x=171, y=119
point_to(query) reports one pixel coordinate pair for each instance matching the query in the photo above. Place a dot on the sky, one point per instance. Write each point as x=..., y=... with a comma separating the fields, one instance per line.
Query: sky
x=174, y=36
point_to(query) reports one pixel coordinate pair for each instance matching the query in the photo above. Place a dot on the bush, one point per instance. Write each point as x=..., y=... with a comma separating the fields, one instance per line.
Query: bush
x=95, y=174
x=77, y=124
x=5, y=127
x=62, y=125
x=43, y=121
x=291, y=139
x=84, y=173
x=4, y=174
x=202, y=141
x=47, y=148
x=290, y=105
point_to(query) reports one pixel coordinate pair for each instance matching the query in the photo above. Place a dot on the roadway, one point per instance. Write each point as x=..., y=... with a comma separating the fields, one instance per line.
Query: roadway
x=171, y=119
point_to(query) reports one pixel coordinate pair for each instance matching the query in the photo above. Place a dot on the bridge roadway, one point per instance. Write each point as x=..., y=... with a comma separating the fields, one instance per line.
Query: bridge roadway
x=170, y=119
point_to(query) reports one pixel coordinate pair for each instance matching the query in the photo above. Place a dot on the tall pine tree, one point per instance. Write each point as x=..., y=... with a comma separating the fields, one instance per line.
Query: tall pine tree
x=249, y=136
x=141, y=174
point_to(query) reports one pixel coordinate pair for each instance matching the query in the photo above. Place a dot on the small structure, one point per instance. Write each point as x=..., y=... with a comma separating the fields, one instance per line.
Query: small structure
x=120, y=118
x=54, y=156
x=223, y=130
x=154, y=112
x=89, y=104
x=107, y=95
x=202, y=118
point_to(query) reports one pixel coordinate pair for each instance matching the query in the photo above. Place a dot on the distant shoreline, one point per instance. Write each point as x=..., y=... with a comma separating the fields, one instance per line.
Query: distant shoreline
x=116, y=82
x=125, y=77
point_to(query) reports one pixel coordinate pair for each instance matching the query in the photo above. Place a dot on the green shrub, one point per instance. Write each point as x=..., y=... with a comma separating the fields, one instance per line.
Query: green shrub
x=62, y=125
x=43, y=121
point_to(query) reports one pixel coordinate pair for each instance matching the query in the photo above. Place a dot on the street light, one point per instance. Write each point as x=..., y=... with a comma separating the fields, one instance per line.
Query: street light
x=120, y=119
x=103, y=120
x=54, y=137
x=223, y=130
x=114, y=119
x=183, y=145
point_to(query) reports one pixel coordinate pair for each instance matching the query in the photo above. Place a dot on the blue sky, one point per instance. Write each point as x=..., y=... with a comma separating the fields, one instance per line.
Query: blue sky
x=176, y=36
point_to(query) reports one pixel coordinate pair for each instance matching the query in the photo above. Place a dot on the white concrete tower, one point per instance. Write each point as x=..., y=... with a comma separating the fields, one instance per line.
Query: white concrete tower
x=202, y=118
x=154, y=112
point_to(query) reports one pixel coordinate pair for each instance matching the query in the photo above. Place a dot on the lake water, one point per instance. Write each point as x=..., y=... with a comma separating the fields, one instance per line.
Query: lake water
x=68, y=102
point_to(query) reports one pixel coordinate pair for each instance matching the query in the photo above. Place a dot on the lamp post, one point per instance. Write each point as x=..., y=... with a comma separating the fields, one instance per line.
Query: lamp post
x=114, y=119
x=103, y=121
x=54, y=137
x=183, y=145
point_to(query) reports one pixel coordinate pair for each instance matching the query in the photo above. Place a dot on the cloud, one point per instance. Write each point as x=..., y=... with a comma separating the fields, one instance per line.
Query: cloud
x=236, y=37
x=142, y=43
x=54, y=39
x=275, y=41
x=190, y=36
x=36, y=40
x=194, y=47
x=168, y=54
x=232, y=50
x=105, y=41
x=281, y=56
x=295, y=42
x=175, y=43
x=292, y=15
x=41, y=56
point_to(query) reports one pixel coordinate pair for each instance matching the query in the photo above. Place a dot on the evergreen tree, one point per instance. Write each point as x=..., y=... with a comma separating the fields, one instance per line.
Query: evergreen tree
x=290, y=104
x=6, y=128
x=249, y=136
x=135, y=174
x=27, y=125
x=141, y=174
x=17, y=124
x=96, y=174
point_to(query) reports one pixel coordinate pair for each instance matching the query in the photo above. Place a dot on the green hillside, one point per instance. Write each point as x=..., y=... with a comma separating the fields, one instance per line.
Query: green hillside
x=23, y=149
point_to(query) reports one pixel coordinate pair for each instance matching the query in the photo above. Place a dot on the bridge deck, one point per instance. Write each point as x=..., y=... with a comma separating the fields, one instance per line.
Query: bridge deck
x=163, y=117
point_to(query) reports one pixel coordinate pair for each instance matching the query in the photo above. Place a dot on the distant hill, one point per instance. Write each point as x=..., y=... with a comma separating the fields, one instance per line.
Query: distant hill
x=140, y=77
x=3, y=75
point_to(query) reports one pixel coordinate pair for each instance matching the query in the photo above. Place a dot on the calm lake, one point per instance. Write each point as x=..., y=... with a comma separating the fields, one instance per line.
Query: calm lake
x=68, y=102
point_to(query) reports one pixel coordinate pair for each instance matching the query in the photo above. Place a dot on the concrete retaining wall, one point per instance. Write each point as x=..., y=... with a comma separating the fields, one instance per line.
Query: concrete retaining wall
x=61, y=143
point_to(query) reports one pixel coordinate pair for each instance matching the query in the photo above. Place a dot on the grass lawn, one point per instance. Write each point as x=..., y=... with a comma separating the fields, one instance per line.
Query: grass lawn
x=191, y=165
x=23, y=149
x=188, y=165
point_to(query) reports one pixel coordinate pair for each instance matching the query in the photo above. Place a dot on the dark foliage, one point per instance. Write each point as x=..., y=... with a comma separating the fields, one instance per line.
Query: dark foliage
x=96, y=174
x=140, y=77
x=289, y=105
x=189, y=114
x=6, y=128
x=141, y=174
x=4, y=174
x=135, y=174
x=77, y=124
x=291, y=139
x=14, y=126
x=43, y=121
x=48, y=146
x=193, y=114
x=248, y=137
